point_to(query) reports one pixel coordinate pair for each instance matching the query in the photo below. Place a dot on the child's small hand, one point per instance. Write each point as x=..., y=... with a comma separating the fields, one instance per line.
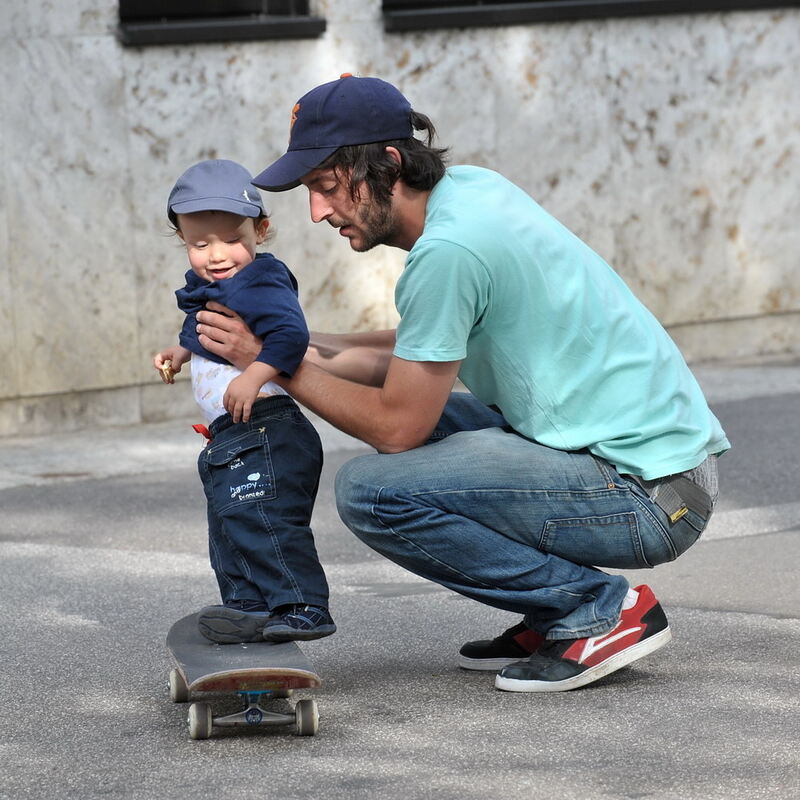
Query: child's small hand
x=240, y=396
x=169, y=362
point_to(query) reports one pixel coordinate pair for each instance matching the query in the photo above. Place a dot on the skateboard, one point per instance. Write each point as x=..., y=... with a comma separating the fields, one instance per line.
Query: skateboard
x=256, y=671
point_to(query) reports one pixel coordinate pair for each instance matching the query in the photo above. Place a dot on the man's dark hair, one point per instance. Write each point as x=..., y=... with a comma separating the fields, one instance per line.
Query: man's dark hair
x=422, y=164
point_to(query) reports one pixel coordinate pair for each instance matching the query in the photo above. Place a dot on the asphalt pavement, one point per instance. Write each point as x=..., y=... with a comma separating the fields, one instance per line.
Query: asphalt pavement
x=103, y=547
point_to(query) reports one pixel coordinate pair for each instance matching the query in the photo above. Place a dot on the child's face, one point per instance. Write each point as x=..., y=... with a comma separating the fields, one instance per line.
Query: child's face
x=220, y=244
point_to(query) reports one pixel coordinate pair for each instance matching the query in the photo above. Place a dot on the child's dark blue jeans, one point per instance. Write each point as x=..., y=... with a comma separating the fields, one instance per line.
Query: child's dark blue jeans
x=260, y=479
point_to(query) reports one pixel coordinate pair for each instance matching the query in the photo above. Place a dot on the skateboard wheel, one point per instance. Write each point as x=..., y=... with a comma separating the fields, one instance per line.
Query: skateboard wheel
x=200, y=720
x=306, y=717
x=283, y=693
x=178, y=690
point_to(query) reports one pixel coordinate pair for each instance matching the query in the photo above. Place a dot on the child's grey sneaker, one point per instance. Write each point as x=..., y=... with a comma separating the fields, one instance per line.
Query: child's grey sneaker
x=233, y=624
x=299, y=622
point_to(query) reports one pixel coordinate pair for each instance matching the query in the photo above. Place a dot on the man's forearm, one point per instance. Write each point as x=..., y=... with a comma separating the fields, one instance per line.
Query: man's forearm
x=360, y=357
x=395, y=417
x=336, y=342
x=340, y=401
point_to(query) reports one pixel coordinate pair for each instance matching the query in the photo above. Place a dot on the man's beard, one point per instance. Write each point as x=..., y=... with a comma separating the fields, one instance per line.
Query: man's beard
x=377, y=225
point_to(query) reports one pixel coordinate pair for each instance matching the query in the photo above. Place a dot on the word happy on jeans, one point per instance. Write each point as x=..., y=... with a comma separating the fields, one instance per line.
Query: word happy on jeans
x=250, y=490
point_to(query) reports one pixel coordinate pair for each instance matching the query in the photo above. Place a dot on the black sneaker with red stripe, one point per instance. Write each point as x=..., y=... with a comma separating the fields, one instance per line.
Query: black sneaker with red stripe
x=562, y=664
x=507, y=648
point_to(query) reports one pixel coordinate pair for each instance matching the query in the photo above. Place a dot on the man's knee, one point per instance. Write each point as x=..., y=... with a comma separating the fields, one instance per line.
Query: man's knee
x=356, y=490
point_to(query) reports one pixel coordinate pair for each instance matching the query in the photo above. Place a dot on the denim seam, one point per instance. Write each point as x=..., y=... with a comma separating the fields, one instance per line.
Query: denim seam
x=241, y=560
x=277, y=548
x=463, y=576
x=657, y=524
x=207, y=479
x=227, y=580
x=583, y=493
x=599, y=628
x=602, y=468
x=593, y=630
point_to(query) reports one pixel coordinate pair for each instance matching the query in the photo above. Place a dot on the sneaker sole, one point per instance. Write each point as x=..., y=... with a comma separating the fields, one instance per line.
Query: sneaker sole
x=621, y=659
x=229, y=628
x=486, y=664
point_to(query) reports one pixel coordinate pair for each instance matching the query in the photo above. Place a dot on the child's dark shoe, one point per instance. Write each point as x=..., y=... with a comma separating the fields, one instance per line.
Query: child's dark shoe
x=234, y=623
x=299, y=622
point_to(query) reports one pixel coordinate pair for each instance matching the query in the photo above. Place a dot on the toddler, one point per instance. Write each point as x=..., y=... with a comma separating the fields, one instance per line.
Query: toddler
x=260, y=468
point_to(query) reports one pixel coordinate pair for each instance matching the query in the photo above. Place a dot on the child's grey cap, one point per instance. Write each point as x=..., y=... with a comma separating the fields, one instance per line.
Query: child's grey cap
x=215, y=185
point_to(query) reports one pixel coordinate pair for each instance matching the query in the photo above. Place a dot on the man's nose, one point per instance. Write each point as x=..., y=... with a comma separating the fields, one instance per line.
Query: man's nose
x=320, y=207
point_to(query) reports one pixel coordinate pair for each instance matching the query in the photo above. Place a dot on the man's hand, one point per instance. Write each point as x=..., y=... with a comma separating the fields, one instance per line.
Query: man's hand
x=224, y=333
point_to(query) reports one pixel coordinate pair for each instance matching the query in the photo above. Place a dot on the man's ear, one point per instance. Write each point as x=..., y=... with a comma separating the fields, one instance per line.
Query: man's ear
x=394, y=154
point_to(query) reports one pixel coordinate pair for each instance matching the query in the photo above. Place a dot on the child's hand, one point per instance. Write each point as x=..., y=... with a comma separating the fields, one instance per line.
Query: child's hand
x=240, y=396
x=169, y=362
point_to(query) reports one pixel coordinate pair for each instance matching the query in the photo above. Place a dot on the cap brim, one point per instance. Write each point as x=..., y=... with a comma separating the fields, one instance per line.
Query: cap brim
x=288, y=170
x=217, y=204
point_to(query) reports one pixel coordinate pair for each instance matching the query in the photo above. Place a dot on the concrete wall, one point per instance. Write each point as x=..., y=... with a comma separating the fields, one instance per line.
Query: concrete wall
x=669, y=143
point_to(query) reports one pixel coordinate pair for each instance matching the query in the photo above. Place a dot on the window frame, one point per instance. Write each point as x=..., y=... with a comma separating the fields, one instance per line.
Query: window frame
x=413, y=15
x=169, y=22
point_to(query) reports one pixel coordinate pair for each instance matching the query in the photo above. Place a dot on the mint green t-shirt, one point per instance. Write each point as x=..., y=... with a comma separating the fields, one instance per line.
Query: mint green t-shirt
x=547, y=331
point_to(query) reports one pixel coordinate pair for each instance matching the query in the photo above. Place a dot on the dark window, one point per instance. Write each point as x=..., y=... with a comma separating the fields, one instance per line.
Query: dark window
x=143, y=22
x=406, y=15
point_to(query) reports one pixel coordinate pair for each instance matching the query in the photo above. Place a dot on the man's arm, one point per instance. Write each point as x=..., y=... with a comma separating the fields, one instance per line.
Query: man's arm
x=361, y=388
x=359, y=357
x=393, y=418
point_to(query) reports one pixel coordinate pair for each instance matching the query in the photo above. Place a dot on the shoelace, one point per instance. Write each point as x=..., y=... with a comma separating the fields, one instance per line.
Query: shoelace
x=308, y=615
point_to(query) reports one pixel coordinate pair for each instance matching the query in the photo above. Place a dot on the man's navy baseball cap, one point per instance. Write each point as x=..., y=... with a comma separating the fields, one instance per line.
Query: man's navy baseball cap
x=347, y=111
x=215, y=185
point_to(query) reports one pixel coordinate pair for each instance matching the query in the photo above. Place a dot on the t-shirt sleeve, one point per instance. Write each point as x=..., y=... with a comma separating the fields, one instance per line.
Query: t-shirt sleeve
x=441, y=296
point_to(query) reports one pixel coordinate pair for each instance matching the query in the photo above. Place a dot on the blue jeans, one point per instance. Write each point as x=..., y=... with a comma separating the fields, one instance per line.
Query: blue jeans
x=508, y=522
x=260, y=480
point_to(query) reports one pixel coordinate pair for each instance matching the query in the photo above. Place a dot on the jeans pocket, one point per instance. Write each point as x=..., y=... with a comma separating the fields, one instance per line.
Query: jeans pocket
x=240, y=470
x=612, y=540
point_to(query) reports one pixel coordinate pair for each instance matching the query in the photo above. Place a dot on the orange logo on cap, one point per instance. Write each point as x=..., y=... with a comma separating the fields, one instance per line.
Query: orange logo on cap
x=294, y=118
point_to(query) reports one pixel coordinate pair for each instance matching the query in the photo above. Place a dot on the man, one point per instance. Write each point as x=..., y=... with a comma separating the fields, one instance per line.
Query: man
x=585, y=441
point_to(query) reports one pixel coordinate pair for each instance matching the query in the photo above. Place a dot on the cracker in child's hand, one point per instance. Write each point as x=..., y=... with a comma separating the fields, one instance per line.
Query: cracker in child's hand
x=167, y=374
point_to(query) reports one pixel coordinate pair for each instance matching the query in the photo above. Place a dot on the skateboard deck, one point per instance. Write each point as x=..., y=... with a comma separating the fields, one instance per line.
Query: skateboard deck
x=257, y=671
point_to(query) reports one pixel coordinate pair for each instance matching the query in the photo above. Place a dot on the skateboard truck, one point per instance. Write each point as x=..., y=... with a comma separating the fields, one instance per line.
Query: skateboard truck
x=305, y=716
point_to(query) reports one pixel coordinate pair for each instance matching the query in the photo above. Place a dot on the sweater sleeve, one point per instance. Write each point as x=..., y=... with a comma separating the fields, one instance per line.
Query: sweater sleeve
x=267, y=301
